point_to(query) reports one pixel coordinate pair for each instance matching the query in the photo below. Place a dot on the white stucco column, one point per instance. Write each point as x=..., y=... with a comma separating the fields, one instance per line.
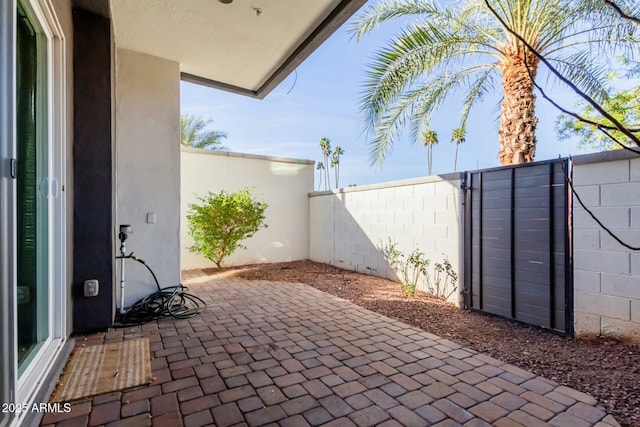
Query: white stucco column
x=147, y=168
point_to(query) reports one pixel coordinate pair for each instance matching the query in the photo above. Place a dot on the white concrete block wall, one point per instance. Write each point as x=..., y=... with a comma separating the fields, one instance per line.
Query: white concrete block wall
x=321, y=228
x=606, y=274
x=282, y=183
x=348, y=227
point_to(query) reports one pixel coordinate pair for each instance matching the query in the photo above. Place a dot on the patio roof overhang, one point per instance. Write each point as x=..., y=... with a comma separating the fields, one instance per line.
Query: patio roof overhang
x=243, y=47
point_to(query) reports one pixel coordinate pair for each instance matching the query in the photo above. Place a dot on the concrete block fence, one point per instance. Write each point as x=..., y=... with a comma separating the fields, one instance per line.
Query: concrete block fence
x=607, y=274
x=349, y=227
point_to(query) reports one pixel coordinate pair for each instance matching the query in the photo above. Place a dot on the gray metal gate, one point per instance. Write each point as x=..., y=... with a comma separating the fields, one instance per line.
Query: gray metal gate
x=518, y=245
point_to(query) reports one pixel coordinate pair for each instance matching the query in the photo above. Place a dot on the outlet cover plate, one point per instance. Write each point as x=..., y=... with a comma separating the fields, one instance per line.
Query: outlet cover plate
x=91, y=288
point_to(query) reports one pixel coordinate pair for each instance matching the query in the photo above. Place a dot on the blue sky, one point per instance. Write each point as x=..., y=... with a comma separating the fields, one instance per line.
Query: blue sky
x=322, y=101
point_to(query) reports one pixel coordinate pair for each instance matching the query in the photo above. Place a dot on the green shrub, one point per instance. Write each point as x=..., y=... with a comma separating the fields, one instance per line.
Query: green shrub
x=222, y=220
x=410, y=267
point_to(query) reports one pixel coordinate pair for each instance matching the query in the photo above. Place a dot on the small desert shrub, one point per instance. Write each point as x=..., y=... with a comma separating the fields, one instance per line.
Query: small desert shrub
x=445, y=280
x=220, y=221
x=412, y=266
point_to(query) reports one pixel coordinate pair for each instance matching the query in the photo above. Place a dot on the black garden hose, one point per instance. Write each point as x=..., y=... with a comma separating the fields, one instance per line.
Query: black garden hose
x=172, y=301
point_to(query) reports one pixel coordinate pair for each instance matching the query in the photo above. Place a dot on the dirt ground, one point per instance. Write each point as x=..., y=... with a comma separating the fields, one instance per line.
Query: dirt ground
x=605, y=369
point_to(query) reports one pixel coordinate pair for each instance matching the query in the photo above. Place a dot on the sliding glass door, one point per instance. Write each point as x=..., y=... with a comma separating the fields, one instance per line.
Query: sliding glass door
x=33, y=181
x=33, y=127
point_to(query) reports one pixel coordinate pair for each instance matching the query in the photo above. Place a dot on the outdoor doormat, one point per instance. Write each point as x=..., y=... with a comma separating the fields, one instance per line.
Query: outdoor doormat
x=104, y=368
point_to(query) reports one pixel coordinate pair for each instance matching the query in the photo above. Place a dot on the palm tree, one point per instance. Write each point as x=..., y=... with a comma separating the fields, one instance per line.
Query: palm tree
x=430, y=138
x=463, y=47
x=319, y=168
x=335, y=162
x=325, y=146
x=458, y=136
x=193, y=133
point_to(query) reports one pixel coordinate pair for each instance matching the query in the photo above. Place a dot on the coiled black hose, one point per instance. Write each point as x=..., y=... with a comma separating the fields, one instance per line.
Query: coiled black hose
x=172, y=301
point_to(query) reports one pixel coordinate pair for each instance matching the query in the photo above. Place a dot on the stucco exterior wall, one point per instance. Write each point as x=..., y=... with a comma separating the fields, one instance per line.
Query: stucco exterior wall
x=349, y=227
x=282, y=183
x=607, y=275
x=147, y=175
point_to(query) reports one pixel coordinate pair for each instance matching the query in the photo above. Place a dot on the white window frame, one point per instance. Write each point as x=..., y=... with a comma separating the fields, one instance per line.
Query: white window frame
x=8, y=359
x=24, y=388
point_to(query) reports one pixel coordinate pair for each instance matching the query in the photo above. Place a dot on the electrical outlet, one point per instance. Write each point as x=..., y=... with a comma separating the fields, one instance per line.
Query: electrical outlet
x=91, y=288
x=151, y=217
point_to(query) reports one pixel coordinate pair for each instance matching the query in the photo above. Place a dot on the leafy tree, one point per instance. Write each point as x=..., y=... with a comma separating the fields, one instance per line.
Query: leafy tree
x=624, y=105
x=193, y=133
x=222, y=220
x=458, y=136
x=320, y=169
x=335, y=162
x=429, y=139
x=325, y=146
x=463, y=47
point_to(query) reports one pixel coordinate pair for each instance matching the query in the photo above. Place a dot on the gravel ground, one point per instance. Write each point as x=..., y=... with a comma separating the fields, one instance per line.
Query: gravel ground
x=608, y=370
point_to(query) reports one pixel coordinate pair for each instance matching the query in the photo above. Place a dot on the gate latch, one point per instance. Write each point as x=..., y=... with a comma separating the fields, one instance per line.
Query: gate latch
x=13, y=168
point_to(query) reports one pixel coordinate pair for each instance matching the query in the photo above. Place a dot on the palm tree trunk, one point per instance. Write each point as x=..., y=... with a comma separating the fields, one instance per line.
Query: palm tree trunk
x=324, y=172
x=517, y=137
x=326, y=166
x=327, y=185
x=455, y=160
x=430, y=158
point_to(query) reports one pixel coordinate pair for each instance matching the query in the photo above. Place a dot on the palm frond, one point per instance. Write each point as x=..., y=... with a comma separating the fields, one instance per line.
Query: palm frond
x=479, y=88
x=624, y=13
x=417, y=51
x=391, y=125
x=412, y=109
x=377, y=13
x=193, y=134
x=589, y=76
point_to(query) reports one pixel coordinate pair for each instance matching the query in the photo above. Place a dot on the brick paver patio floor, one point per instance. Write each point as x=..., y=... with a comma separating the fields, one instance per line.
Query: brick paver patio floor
x=283, y=354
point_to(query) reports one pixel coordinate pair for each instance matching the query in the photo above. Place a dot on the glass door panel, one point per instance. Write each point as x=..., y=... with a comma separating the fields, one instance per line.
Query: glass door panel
x=33, y=207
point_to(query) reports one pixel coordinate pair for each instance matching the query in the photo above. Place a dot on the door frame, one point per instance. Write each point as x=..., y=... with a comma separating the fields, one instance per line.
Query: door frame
x=8, y=290
x=23, y=388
